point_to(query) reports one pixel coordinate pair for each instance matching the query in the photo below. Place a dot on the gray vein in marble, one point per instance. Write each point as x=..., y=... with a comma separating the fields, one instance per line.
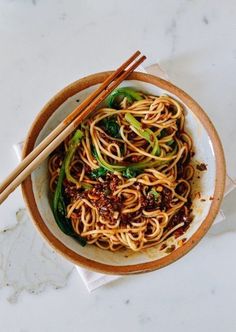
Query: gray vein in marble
x=86, y=26
x=26, y=263
x=205, y=20
x=63, y=16
x=171, y=30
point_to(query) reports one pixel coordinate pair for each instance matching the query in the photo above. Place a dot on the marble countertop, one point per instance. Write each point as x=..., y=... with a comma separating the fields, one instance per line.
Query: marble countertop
x=44, y=46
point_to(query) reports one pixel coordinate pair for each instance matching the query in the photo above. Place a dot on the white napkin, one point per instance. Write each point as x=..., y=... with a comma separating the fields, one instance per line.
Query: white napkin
x=93, y=280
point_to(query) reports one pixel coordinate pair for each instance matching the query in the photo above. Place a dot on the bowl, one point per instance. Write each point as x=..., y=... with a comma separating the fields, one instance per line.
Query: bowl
x=207, y=191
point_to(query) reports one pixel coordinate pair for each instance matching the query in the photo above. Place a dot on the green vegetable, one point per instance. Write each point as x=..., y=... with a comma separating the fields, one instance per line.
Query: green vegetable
x=130, y=172
x=162, y=133
x=149, y=164
x=111, y=127
x=151, y=138
x=74, y=142
x=147, y=134
x=138, y=166
x=107, y=192
x=98, y=173
x=154, y=193
x=117, y=95
x=85, y=185
x=104, y=164
x=94, y=152
x=170, y=142
x=59, y=209
x=122, y=150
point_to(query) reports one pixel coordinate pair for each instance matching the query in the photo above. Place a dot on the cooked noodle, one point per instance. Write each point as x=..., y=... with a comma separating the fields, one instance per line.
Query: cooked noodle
x=141, y=209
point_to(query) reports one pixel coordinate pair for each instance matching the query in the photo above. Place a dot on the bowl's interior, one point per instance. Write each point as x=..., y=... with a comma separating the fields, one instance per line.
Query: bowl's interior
x=204, y=152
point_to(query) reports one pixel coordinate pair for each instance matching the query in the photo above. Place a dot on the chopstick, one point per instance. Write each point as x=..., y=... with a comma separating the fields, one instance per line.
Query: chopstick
x=66, y=127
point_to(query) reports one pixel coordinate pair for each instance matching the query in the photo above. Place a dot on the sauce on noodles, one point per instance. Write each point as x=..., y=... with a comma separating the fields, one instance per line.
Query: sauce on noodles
x=126, y=182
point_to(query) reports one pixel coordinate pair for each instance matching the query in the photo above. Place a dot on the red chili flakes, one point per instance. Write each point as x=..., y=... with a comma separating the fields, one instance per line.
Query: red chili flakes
x=152, y=138
x=198, y=194
x=135, y=159
x=163, y=246
x=201, y=167
x=132, y=135
x=179, y=232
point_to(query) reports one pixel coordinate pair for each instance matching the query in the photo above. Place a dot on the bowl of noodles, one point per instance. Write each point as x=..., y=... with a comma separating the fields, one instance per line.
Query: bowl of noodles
x=138, y=183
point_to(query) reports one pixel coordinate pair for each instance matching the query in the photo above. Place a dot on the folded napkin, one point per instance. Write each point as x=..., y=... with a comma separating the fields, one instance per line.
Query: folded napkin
x=93, y=280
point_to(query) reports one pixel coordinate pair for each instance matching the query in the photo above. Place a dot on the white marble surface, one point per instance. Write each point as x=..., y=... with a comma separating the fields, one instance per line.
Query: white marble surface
x=42, y=42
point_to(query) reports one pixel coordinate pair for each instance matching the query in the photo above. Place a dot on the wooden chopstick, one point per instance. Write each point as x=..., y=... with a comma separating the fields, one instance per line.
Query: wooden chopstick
x=63, y=124
x=66, y=127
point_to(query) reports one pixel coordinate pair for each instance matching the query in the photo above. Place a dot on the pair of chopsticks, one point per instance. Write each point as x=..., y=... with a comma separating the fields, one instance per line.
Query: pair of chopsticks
x=66, y=127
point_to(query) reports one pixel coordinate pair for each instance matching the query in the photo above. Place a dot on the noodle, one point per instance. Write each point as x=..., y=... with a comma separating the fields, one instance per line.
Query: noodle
x=129, y=186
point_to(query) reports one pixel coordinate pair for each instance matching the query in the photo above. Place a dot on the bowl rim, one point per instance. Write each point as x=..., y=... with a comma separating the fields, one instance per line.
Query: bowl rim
x=60, y=247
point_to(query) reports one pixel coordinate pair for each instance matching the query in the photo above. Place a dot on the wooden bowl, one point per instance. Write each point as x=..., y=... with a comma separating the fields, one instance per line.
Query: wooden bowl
x=208, y=149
